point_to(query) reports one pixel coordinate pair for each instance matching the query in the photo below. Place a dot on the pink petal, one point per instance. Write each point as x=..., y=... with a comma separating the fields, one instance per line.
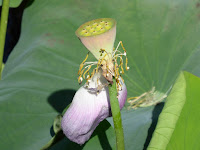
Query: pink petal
x=86, y=112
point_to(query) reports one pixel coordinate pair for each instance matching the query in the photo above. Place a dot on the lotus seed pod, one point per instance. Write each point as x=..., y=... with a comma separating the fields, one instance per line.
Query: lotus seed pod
x=98, y=34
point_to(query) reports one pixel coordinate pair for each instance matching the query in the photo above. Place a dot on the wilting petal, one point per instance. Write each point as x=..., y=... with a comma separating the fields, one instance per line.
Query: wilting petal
x=86, y=112
x=122, y=96
x=98, y=34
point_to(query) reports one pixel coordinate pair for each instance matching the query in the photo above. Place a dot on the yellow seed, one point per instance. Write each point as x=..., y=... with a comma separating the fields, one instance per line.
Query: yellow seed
x=94, y=32
x=102, y=22
x=94, y=24
x=88, y=27
x=82, y=32
x=98, y=27
x=87, y=34
x=107, y=26
x=102, y=30
x=91, y=30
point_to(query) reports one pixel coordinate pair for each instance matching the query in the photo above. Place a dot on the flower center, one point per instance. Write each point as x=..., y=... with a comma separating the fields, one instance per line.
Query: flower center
x=108, y=63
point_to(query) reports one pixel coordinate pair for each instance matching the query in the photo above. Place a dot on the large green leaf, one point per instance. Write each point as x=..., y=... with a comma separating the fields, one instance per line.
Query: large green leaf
x=187, y=132
x=39, y=79
x=178, y=123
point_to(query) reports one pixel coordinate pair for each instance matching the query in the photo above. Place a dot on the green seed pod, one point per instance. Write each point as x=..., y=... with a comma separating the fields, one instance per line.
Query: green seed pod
x=98, y=34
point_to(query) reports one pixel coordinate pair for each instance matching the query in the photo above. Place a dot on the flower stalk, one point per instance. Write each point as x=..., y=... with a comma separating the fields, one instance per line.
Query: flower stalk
x=3, y=28
x=116, y=114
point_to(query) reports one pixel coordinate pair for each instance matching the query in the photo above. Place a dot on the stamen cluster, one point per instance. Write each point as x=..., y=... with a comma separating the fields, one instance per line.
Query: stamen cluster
x=108, y=63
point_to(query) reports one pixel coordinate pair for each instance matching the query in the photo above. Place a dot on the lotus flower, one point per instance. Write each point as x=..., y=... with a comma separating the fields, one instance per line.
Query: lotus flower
x=91, y=103
x=88, y=109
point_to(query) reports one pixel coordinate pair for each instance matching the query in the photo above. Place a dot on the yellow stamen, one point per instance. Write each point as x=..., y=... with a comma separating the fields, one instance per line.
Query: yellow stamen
x=86, y=71
x=98, y=65
x=131, y=98
x=92, y=74
x=80, y=68
x=105, y=61
x=122, y=46
x=122, y=79
x=103, y=58
x=115, y=68
x=121, y=65
x=82, y=64
x=118, y=84
x=127, y=68
x=80, y=79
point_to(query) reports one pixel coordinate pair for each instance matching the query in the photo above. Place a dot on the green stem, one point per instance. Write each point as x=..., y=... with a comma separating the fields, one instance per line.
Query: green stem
x=3, y=28
x=116, y=114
